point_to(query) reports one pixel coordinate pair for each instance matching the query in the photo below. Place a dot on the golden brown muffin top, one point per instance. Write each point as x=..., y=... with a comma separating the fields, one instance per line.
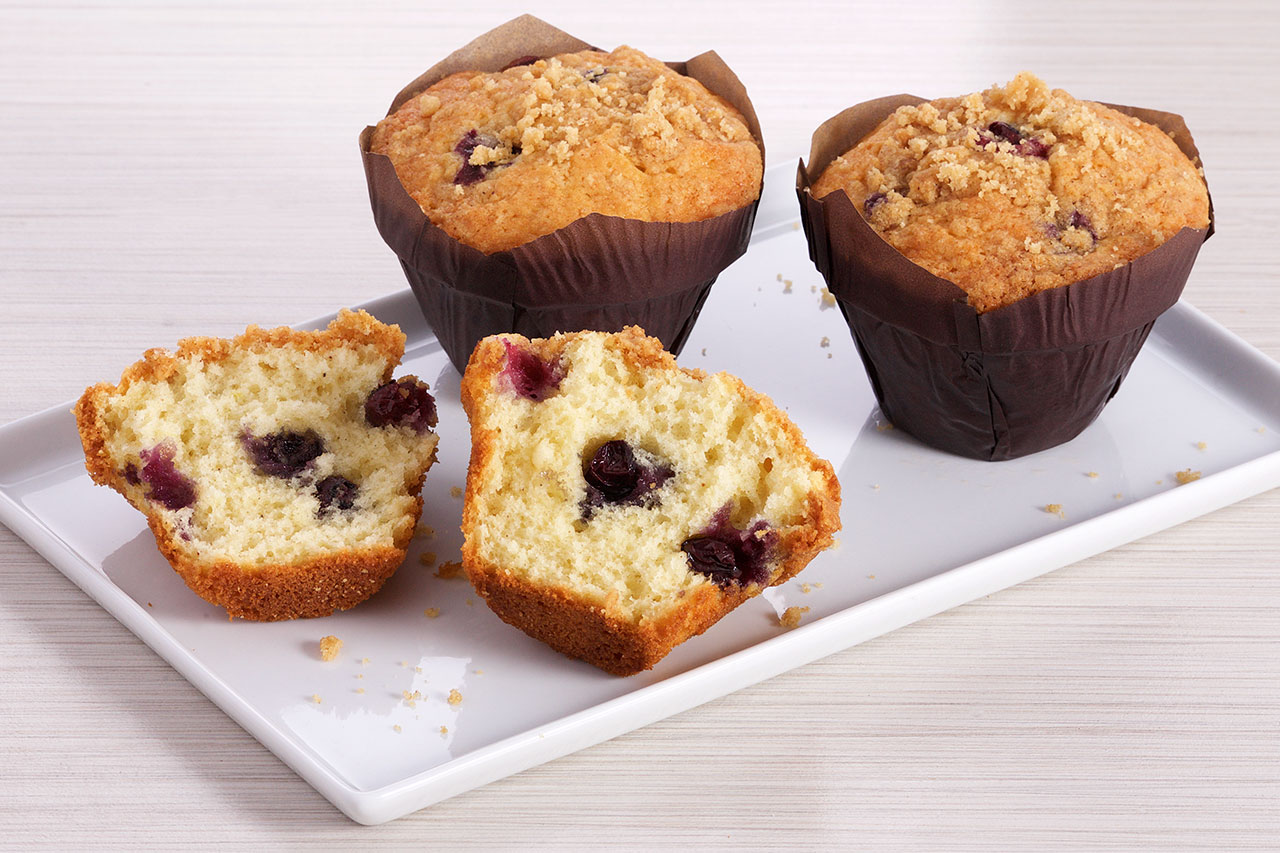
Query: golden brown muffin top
x=1019, y=188
x=500, y=158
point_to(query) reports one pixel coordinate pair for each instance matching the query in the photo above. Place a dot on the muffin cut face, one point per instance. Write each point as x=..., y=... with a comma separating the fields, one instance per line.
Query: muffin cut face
x=1019, y=189
x=279, y=471
x=624, y=504
x=499, y=159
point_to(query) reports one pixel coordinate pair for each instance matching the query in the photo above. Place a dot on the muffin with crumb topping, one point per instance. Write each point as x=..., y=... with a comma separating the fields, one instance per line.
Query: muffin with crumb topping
x=578, y=190
x=1001, y=256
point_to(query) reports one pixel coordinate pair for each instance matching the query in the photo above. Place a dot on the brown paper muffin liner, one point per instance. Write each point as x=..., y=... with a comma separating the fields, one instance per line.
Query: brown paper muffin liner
x=1005, y=383
x=600, y=272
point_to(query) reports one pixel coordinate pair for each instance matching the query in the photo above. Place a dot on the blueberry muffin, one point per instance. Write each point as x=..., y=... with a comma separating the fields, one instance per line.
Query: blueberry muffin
x=617, y=505
x=498, y=159
x=1019, y=189
x=280, y=471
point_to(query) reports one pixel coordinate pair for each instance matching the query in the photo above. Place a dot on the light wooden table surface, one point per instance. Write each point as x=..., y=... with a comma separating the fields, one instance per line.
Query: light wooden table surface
x=168, y=169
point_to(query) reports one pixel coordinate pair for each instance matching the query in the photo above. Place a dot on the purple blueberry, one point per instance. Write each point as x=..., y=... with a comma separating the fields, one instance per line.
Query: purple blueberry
x=713, y=558
x=1027, y=146
x=593, y=75
x=1079, y=220
x=873, y=201
x=335, y=491
x=726, y=554
x=404, y=402
x=1007, y=132
x=529, y=376
x=468, y=173
x=282, y=454
x=617, y=477
x=167, y=486
x=612, y=470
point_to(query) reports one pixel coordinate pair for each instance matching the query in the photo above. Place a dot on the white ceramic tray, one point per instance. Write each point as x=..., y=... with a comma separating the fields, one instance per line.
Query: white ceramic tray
x=923, y=532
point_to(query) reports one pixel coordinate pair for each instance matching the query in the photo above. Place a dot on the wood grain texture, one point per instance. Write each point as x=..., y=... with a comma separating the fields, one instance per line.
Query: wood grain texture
x=168, y=169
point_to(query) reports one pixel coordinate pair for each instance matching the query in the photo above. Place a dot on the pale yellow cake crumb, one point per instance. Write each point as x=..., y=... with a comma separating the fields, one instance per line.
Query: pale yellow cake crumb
x=805, y=588
x=396, y=727
x=427, y=559
x=1055, y=509
x=329, y=647
x=364, y=661
x=1092, y=475
x=871, y=577
x=315, y=697
x=884, y=427
x=786, y=285
x=828, y=300
x=452, y=569
x=478, y=671
x=825, y=342
x=1200, y=445
x=1118, y=496
x=431, y=612
x=779, y=276
x=359, y=689
x=455, y=696
x=790, y=617
x=455, y=491
x=444, y=730
x=1186, y=476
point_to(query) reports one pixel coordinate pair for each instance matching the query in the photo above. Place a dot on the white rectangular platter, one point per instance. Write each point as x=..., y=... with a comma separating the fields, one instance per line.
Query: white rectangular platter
x=923, y=532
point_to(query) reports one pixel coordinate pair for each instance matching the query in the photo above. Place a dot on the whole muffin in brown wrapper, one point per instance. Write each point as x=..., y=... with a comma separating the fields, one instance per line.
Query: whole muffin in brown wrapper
x=530, y=183
x=992, y=324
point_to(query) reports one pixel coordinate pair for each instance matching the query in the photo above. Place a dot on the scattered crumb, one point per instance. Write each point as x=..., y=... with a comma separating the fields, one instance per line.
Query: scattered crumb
x=805, y=588
x=452, y=569
x=329, y=647
x=455, y=696
x=424, y=530
x=417, y=669
x=786, y=285
x=828, y=300
x=779, y=276
x=411, y=699
x=478, y=671
x=871, y=577
x=884, y=427
x=829, y=355
x=455, y=491
x=404, y=663
x=1118, y=496
x=1200, y=445
x=427, y=559
x=813, y=288
x=790, y=617
x=444, y=730
x=359, y=689
x=704, y=350
x=1159, y=482
x=149, y=604
x=315, y=697
x=825, y=342
x=431, y=612
x=397, y=727
x=1186, y=476
x=1261, y=429
x=363, y=661
x=471, y=602
x=1092, y=475
x=1055, y=509
x=795, y=226
x=875, y=487
x=817, y=585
